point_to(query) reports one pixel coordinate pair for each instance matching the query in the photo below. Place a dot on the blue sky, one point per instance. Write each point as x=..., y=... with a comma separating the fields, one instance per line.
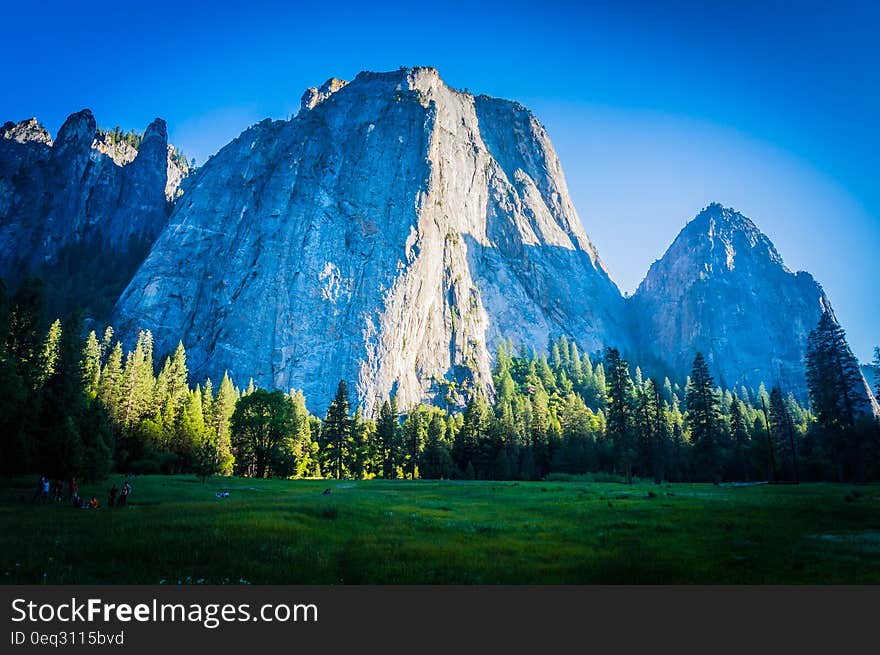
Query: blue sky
x=655, y=108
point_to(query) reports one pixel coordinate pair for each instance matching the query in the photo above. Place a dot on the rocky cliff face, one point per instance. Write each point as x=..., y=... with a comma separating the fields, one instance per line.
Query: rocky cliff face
x=722, y=289
x=80, y=190
x=390, y=233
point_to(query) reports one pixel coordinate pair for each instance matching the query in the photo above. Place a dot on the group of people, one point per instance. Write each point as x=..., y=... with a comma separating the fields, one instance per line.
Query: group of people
x=119, y=497
x=46, y=491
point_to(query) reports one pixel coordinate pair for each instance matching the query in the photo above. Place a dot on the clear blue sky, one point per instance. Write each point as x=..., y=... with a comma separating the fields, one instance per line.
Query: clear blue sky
x=655, y=108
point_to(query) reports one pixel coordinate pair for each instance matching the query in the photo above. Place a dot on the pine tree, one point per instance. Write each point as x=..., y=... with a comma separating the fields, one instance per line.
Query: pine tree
x=208, y=407
x=24, y=339
x=60, y=443
x=661, y=442
x=785, y=450
x=50, y=352
x=577, y=435
x=740, y=439
x=468, y=443
x=545, y=374
x=599, y=386
x=833, y=376
x=74, y=439
x=388, y=437
x=555, y=357
x=619, y=391
x=106, y=344
x=703, y=419
x=191, y=424
x=221, y=413
x=357, y=453
x=110, y=384
x=505, y=387
x=138, y=381
x=337, y=428
x=651, y=431
x=92, y=357
x=15, y=399
x=539, y=432
x=415, y=434
x=436, y=462
x=577, y=369
x=172, y=388
x=303, y=445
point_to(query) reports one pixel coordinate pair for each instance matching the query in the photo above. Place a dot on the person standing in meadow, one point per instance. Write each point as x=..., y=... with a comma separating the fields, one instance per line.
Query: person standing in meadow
x=42, y=492
x=123, y=494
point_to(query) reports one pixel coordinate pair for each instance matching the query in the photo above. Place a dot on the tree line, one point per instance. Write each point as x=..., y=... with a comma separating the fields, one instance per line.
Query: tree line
x=75, y=402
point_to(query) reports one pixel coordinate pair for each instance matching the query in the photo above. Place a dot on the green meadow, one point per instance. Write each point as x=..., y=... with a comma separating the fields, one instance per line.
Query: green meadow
x=175, y=531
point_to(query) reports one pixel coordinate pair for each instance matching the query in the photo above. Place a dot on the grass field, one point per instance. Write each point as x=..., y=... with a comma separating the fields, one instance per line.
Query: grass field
x=288, y=532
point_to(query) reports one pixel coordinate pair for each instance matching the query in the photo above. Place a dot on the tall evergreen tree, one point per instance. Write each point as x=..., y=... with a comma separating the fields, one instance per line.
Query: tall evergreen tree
x=619, y=394
x=388, y=437
x=24, y=338
x=577, y=435
x=703, y=419
x=785, y=448
x=302, y=437
x=469, y=440
x=740, y=440
x=50, y=352
x=436, y=462
x=110, y=386
x=833, y=376
x=337, y=428
x=415, y=434
x=651, y=429
x=59, y=440
x=106, y=344
x=74, y=436
x=222, y=409
x=358, y=451
x=15, y=392
x=92, y=364
x=138, y=381
x=539, y=432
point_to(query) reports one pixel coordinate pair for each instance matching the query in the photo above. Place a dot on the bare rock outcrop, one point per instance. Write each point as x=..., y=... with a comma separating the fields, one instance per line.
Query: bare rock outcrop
x=391, y=234
x=723, y=289
x=82, y=197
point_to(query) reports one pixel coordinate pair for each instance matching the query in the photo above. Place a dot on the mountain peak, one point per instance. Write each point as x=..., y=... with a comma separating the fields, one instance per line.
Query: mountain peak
x=401, y=74
x=316, y=95
x=77, y=132
x=722, y=235
x=154, y=146
x=722, y=289
x=717, y=216
x=28, y=130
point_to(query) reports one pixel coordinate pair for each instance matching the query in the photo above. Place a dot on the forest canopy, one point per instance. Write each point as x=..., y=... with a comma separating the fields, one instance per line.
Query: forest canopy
x=78, y=402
